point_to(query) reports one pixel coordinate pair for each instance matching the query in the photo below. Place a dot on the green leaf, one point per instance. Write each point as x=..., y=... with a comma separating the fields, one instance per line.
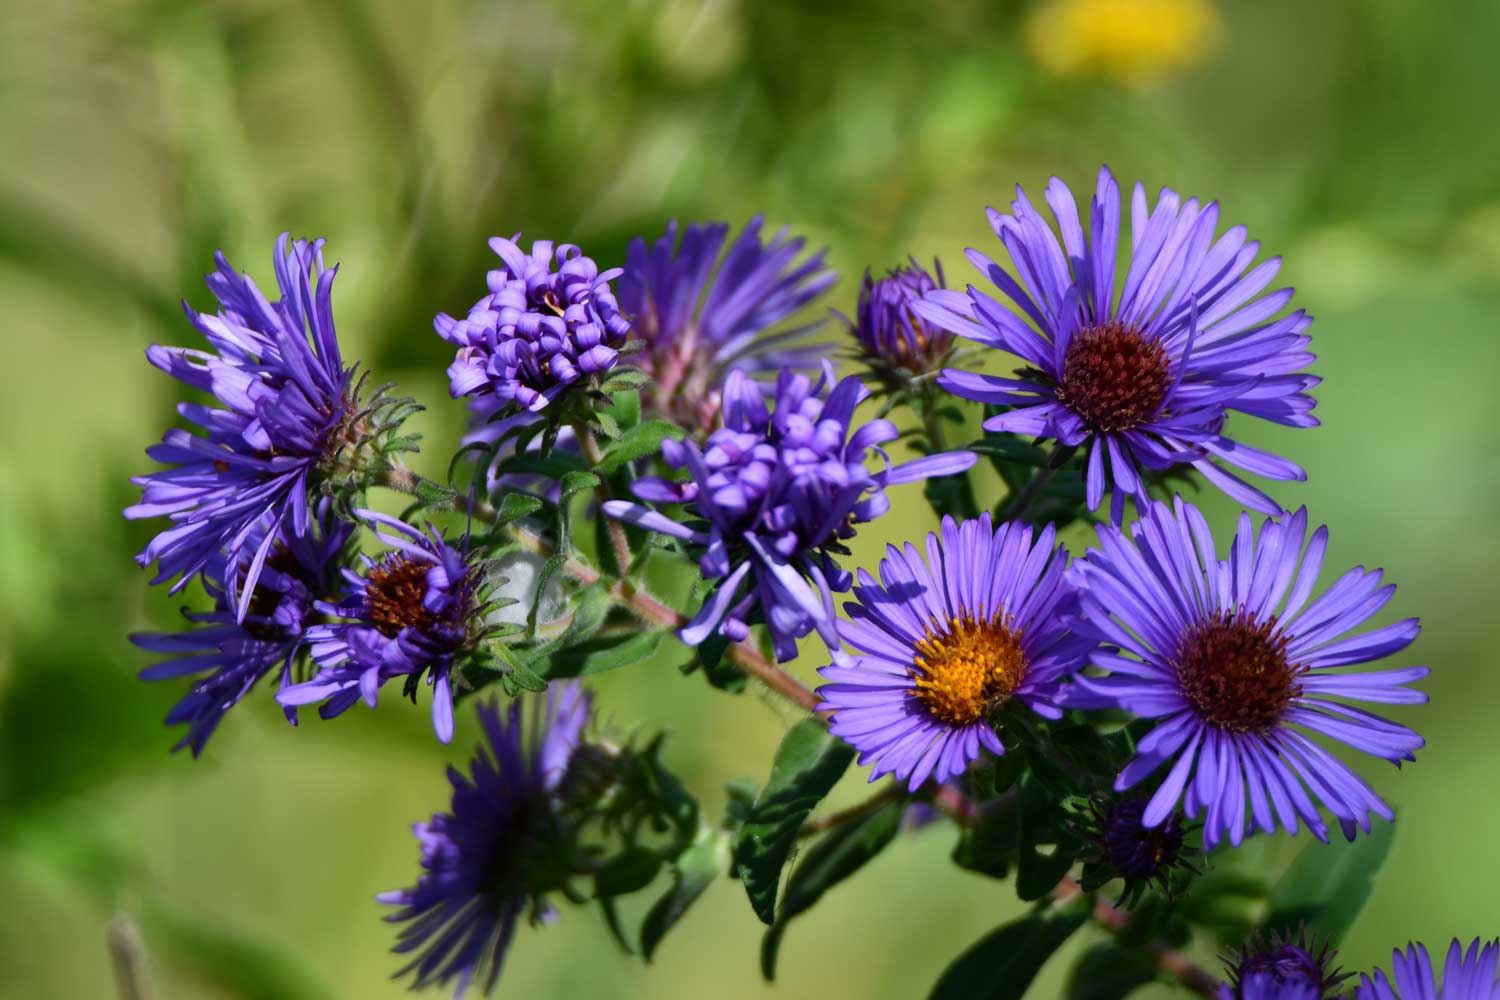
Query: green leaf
x=604, y=653
x=1109, y=972
x=625, y=408
x=553, y=466
x=837, y=855
x=629, y=872
x=526, y=680
x=1327, y=885
x=1037, y=873
x=545, y=574
x=638, y=442
x=808, y=763
x=1002, y=964
x=432, y=493
x=624, y=378
x=576, y=482
x=607, y=424
x=989, y=846
x=692, y=872
x=516, y=506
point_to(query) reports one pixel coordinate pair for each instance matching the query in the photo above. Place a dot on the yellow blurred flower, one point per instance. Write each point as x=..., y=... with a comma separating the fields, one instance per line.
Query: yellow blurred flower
x=1133, y=41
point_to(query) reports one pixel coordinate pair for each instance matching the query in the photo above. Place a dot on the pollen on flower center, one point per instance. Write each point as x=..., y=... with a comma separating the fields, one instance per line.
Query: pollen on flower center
x=394, y=591
x=1113, y=377
x=1235, y=672
x=966, y=666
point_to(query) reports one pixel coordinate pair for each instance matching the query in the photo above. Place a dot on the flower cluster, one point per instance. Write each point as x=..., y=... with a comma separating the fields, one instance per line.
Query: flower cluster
x=1143, y=377
x=538, y=331
x=285, y=416
x=1112, y=715
x=781, y=489
x=702, y=312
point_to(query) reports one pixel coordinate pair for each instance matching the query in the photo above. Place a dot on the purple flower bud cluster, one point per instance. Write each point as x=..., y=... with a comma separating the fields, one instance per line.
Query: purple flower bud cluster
x=781, y=489
x=538, y=331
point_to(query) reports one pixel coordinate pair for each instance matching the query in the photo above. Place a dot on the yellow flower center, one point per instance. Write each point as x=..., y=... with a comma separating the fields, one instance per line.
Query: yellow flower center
x=965, y=667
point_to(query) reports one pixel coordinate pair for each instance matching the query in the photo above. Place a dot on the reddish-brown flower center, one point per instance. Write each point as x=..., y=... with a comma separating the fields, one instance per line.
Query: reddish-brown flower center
x=1114, y=377
x=1235, y=672
x=966, y=666
x=393, y=593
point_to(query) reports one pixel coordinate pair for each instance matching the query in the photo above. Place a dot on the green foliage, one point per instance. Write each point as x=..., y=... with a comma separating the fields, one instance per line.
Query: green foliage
x=837, y=855
x=1328, y=884
x=807, y=764
x=1002, y=964
x=638, y=442
x=692, y=872
x=1109, y=972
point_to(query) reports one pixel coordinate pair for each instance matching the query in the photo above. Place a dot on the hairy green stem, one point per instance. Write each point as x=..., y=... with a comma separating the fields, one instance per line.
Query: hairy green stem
x=615, y=529
x=1171, y=961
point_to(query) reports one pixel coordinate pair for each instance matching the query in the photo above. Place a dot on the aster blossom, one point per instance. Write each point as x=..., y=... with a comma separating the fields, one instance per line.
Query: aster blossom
x=500, y=849
x=702, y=311
x=235, y=654
x=539, y=331
x=411, y=614
x=781, y=489
x=892, y=339
x=285, y=414
x=1285, y=967
x=1145, y=379
x=1240, y=662
x=1468, y=974
x=942, y=643
x=1114, y=843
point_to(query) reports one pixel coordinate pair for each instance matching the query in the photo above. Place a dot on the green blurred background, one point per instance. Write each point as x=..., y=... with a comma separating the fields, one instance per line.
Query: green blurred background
x=1353, y=137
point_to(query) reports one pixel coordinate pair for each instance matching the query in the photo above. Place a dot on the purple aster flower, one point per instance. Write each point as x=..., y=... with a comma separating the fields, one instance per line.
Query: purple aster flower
x=538, y=331
x=702, y=312
x=1283, y=968
x=1145, y=379
x=893, y=340
x=415, y=611
x=1467, y=975
x=235, y=654
x=945, y=642
x=285, y=415
x=1239, y=662
x=781, y=490
x=500, y=850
